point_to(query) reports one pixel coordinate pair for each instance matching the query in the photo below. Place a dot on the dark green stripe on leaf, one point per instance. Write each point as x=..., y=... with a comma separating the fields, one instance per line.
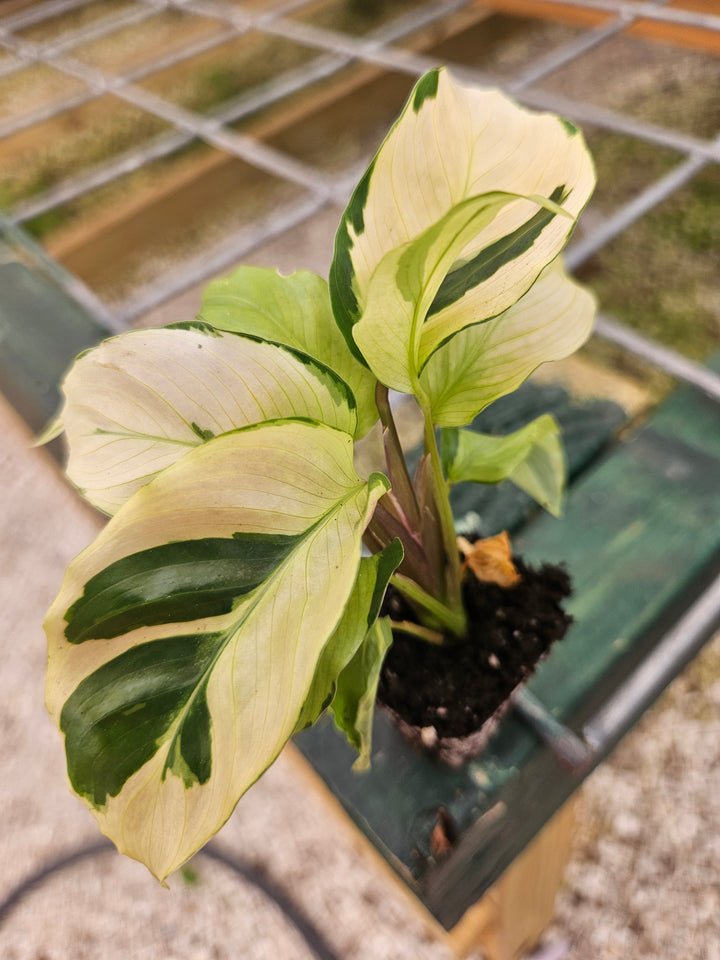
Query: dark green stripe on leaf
x=569, y=126
x=342, y=295
x=204, y=435
x=200, y=326
x=426, y=88
x=486, y=263
x=174, y=583
x=119, y=716
x=190, y=756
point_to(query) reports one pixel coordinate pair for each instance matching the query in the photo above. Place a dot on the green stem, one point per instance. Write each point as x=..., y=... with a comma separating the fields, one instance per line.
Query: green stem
x=452, y=620
x=415, y=630
x=441, y=495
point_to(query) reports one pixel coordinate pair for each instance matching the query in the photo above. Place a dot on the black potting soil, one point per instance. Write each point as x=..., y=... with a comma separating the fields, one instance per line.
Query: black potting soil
x=457, y=686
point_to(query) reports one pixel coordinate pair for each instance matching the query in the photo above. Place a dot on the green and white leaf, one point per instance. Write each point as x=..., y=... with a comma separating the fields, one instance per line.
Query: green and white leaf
x=531, y=457
x=140, y=401
x=452, y=144
x=354, y=703
x=393, y=333
x=360, y=614
x=296, y=311
x=184, y=640
x=488, y=361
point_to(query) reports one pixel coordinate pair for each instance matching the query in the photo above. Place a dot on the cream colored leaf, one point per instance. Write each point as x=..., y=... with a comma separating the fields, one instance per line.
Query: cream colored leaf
x=140, y=401
x=184, y=641
x=490, y=360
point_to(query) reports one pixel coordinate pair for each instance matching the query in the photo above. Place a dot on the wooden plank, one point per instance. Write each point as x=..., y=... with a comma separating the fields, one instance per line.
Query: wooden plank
x=656, y=30
x=512, y=916
x=41, y=331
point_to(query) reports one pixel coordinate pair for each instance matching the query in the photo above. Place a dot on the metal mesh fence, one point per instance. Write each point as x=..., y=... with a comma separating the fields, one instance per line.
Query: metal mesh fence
x=327, y=52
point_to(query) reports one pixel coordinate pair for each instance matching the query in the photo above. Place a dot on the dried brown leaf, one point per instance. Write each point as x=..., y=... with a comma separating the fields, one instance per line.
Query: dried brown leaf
x=490, y=559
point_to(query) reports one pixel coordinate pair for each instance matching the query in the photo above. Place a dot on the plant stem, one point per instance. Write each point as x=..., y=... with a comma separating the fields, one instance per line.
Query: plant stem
x=415, y=630
x=402, y=487
x=441, y=494
x=452, y=620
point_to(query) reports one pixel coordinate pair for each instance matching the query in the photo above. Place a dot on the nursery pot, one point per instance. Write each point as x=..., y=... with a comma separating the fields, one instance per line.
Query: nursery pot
x=448, y=699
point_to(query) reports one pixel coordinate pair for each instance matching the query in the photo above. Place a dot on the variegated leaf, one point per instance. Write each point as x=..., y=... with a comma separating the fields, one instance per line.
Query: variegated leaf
x=293, y=310
x=360, y=614
x=394, y=333
x=140, y=401
x=488, y=361
x=531, y=457
x=453, y=143
x=184, y=640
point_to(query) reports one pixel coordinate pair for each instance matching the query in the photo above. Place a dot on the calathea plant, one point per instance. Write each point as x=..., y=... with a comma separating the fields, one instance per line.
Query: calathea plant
x=228, y=602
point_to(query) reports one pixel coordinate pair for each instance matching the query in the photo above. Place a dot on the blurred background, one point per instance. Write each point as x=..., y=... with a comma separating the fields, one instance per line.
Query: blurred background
x=148, y=145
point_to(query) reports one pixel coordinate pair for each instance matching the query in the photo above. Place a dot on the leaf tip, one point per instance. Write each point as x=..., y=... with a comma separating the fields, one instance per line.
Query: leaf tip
x=54, y=428
x=426, y=88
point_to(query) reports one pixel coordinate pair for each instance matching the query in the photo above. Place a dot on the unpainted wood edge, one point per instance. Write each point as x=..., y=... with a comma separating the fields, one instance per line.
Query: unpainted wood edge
x=484, y=925
x=512, y=916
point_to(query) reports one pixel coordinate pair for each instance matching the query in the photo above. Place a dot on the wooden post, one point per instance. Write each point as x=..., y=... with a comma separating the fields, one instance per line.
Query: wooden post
x=513, y=914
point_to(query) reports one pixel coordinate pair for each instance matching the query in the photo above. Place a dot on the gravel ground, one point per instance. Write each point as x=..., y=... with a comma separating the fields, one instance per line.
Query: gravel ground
x=644, y=881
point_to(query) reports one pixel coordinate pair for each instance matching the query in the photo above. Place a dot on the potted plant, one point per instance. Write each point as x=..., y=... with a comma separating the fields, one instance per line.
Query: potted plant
x=228, y=602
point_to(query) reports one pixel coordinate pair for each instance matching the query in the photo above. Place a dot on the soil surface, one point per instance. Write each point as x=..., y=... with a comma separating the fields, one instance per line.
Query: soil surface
x=456, y=687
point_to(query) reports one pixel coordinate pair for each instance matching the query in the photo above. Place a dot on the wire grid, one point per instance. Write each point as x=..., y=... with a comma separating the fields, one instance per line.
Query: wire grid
x=336, y=51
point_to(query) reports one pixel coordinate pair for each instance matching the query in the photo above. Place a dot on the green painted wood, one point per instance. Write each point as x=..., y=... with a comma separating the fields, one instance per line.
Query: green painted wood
x=42, y=330
x=640, y=532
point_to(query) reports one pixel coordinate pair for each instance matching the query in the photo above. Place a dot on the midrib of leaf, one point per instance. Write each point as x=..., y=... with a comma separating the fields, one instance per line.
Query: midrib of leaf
x=227, y=635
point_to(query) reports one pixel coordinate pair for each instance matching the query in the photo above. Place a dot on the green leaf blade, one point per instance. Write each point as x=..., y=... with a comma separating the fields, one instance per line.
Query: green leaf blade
x=401, y=291
x=531, y=457
x=360, y=614
x=415, y=182
x=295, y=311
x=484, y=362
x=354, y=703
